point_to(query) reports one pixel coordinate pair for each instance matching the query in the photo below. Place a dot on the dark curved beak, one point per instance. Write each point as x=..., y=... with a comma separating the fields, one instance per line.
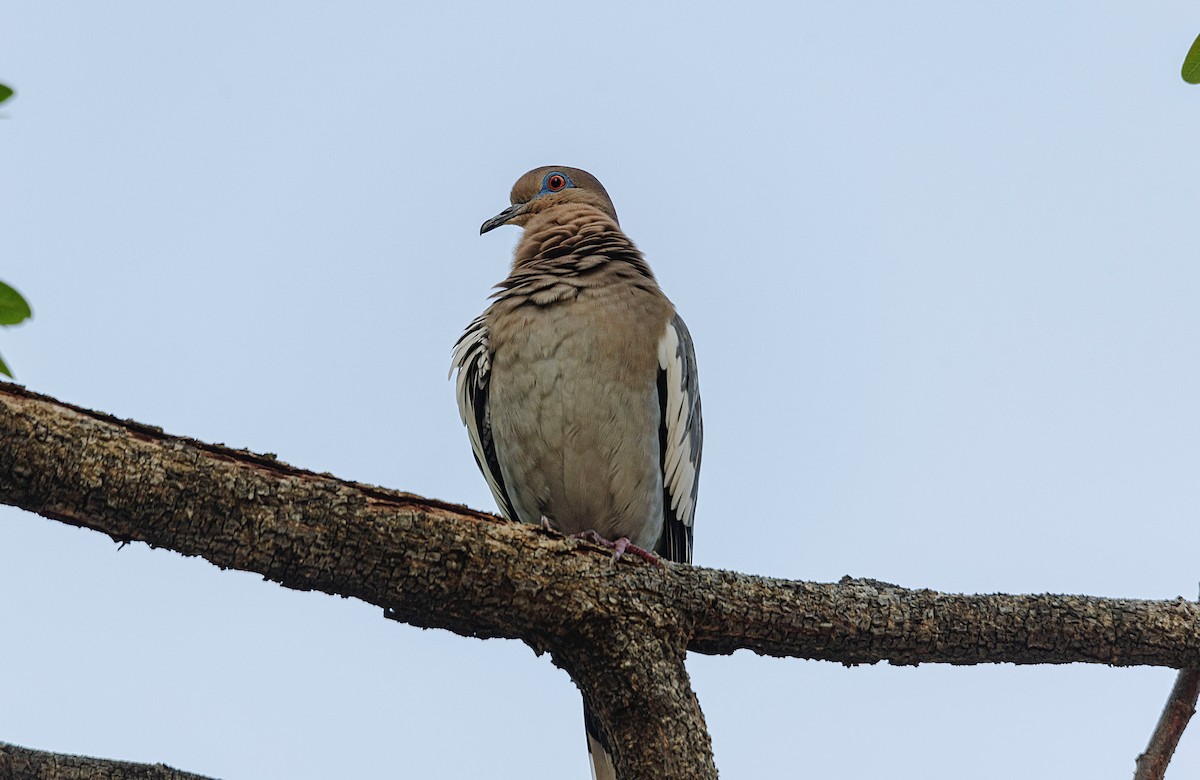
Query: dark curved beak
x=502, y=218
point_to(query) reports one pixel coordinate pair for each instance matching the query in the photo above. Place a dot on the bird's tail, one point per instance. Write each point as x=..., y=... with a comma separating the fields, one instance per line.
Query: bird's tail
x=602, y=763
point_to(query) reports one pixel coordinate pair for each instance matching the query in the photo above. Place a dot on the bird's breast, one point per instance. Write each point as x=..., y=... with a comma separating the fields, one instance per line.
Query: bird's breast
x=575, y=411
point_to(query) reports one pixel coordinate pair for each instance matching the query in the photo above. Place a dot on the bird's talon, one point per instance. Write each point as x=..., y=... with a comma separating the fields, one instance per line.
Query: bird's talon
x=620, y=547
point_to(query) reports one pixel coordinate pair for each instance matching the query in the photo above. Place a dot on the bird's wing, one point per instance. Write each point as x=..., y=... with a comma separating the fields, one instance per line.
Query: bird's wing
x=681, y=435
x=473, y=360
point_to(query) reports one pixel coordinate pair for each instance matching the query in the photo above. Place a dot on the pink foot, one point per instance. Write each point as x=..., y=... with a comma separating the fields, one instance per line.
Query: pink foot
x=620, y=547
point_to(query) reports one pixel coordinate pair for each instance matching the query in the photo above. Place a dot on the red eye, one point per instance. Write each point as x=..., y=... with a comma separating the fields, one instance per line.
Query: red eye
x=556, y=182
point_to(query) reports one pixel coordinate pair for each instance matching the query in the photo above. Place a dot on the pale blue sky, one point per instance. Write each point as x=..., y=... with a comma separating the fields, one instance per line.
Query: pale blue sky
x=939, y=260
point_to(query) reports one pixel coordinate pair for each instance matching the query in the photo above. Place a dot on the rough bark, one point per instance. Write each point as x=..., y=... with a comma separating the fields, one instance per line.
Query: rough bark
x=434, y=564
x=18, y=763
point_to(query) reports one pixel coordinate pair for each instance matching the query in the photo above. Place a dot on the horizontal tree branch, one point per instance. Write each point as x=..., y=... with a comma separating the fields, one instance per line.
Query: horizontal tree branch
x=436, y=564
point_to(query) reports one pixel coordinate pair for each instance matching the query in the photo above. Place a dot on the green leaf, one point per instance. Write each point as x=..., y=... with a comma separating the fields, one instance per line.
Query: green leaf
x=5, y=92
x=1191, y=63
x=4, y=369
x=13, y=308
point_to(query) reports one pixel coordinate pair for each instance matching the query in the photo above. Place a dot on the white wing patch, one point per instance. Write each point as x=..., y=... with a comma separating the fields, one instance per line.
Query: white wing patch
x=682, y=433
x=471, y=358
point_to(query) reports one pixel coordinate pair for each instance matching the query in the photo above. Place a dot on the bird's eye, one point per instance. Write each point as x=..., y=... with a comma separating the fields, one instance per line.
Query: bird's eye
x=555, y=182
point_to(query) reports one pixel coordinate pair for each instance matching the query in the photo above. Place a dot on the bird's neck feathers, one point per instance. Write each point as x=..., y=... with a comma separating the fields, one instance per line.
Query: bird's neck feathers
x=577, y=239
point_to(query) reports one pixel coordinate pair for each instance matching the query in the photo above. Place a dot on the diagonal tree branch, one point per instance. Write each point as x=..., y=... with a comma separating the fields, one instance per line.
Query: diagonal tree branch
x=434, y=564
x=19, y=763
x=1179, y=709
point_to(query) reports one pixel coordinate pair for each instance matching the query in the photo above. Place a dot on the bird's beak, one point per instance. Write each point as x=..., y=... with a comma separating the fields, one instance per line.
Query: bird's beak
x=503, y=218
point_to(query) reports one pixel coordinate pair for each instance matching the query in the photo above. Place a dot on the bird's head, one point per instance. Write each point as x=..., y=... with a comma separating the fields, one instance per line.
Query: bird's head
x=544, y=188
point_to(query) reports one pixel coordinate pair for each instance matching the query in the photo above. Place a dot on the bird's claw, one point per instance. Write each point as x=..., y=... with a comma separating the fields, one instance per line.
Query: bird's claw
x=620, y=547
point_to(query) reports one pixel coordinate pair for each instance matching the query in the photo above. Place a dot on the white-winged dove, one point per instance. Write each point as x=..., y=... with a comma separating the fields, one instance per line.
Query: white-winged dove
x=578, y=384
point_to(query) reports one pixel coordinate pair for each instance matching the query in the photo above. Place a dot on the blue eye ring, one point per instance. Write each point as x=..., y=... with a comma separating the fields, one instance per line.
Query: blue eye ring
x=555, y=182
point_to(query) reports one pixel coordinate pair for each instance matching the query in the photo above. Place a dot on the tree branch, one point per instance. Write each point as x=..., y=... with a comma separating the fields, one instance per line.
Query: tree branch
x=434, y=564
x=18, y=763
x=1179, y=709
